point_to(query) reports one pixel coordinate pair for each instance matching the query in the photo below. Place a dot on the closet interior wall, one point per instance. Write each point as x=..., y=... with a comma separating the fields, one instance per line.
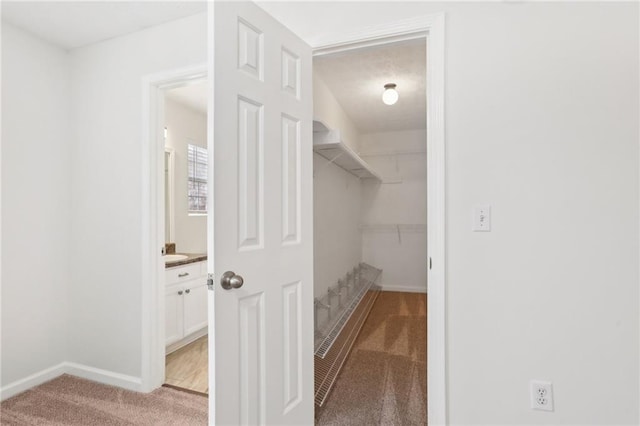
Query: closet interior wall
x=337, y=197
x=394, y=211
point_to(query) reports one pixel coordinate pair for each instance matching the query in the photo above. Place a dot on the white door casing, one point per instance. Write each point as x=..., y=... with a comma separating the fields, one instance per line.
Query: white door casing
x=153, y=216
x=261, y=368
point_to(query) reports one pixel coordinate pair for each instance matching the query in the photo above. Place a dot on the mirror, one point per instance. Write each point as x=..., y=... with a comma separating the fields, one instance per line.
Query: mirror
x=169, y=159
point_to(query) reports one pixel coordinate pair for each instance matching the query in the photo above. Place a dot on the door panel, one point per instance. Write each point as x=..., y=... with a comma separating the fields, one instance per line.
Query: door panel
x=290, y=180
x=292, y=373
x=250, y=49
x=250, y=173
x=262, y=150
x=252, y=360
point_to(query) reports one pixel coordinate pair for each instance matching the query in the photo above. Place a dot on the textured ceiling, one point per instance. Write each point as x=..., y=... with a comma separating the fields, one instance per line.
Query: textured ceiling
x=357, y=78
x=193, y=96
x=72, y=24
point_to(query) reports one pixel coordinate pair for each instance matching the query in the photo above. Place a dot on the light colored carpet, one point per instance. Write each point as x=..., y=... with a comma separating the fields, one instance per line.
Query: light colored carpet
x=384, y=380
x=69, y=400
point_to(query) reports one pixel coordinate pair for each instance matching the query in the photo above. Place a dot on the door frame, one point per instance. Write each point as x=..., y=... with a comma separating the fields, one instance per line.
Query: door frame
x=154, y=87
x=431, y=27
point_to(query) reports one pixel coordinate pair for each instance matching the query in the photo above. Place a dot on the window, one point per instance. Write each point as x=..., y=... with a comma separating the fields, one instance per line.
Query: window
x=198, y=162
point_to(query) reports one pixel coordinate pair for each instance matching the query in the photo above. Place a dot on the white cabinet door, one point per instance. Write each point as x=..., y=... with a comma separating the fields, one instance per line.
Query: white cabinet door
x=262, y=163
x=195, y=307
x=173, y=314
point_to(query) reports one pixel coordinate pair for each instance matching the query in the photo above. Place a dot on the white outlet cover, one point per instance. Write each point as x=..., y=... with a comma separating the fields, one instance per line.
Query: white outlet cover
x=541, y=395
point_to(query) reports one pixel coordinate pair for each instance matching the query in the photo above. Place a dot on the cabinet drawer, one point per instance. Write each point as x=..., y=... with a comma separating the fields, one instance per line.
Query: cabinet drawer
x=182, y=273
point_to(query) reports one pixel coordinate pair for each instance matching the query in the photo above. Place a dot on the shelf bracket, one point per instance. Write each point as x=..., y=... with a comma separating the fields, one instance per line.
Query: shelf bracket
x=325, y=165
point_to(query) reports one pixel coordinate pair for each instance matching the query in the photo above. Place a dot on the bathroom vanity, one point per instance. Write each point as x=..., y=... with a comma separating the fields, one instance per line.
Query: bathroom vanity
x=186, y=301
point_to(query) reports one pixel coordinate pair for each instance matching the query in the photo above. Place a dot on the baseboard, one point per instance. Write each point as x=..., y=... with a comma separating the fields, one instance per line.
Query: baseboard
x=104, y=376
x=90, y=373
x=189, y=339
x=31, y=381
x=404, y=289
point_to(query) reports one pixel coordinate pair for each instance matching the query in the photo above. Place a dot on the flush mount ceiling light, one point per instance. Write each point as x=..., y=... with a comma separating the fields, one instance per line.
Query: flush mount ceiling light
x=390, y=94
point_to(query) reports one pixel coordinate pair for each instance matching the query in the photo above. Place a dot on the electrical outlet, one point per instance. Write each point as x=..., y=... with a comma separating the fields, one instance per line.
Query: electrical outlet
x=541, y=395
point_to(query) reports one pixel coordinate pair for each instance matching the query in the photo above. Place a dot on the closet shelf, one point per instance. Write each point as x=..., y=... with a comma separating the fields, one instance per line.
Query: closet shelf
x=349, y=292
x=339, y=317
x=329, y=145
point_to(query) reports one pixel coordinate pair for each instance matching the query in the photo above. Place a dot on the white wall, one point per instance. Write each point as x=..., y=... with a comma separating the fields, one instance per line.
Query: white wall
x=398, y=204
x=327, y=109
x=105, y=294
x=185, y=126
x=337, y=197
x=35, y=204
x=337, y=248
x=541, y=123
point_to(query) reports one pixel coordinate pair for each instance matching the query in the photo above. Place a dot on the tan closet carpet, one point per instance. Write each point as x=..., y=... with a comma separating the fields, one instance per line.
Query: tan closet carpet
x=384, y=380
x=68, y=400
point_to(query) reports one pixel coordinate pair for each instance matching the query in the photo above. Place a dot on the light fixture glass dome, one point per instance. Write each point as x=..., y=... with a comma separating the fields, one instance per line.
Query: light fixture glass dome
x=390, y=94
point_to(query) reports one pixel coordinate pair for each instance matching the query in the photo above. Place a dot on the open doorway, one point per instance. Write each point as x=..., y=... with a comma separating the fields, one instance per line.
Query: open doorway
x=370, y=226
x=185, y=236
x=252, y=363
x=175, y=308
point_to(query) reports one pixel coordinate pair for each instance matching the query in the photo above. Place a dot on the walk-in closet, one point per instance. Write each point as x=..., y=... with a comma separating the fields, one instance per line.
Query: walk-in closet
x=370, y=234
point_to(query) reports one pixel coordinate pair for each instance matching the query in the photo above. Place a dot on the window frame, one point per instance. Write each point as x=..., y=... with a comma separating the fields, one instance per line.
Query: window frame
x=200, y=160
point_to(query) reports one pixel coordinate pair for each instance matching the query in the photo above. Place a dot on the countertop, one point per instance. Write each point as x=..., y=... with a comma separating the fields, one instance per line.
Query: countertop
x=192, y=258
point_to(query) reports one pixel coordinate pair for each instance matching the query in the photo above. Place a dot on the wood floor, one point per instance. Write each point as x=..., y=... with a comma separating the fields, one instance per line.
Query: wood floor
x=188, y=367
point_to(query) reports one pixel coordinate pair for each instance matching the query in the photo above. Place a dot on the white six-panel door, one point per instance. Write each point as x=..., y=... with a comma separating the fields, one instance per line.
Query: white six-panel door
x=261, y=368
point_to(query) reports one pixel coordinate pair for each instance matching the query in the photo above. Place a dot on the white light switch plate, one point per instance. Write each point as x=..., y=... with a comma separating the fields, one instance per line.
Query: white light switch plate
x=482, y=218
